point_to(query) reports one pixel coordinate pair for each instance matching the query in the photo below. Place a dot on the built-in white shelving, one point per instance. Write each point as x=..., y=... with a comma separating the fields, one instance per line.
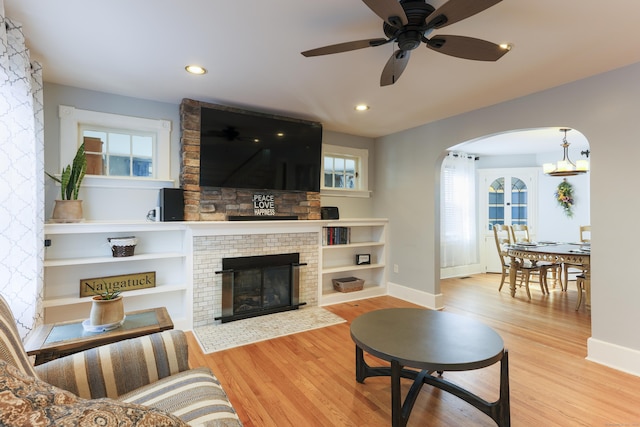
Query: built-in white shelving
x=81, y=251
x=365, y=236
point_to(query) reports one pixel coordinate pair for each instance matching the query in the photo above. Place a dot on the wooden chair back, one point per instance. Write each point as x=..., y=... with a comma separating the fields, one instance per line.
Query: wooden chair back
x=585, y=233
x=520, y=233
x=502, y=235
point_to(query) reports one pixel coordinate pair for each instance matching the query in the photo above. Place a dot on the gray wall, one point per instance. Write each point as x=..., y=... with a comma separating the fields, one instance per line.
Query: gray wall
x=99, y=202
x=604, y=108
x=55, y=95
x=134, y=203
x=352, y=207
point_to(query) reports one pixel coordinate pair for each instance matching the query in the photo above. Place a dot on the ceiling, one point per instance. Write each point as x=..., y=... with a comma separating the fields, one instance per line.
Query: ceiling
x=251, y=49
x=527, y=141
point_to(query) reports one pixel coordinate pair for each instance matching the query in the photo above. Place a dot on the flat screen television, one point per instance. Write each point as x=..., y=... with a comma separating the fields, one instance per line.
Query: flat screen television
x=243, y=149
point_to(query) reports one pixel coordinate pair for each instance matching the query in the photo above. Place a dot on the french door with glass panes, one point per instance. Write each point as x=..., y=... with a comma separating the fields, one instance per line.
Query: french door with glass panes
x=506, y=196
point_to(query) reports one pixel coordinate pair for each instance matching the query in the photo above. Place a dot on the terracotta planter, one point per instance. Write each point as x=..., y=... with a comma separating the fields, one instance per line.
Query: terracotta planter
x=67, y=211
x=106, y=311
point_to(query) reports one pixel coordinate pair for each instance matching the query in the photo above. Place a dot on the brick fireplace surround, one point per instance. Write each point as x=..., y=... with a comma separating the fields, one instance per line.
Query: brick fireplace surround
x=217, y=204
x=208, y=252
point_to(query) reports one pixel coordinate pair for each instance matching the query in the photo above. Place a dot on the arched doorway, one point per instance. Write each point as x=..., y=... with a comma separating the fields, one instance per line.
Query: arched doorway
x=523, y=152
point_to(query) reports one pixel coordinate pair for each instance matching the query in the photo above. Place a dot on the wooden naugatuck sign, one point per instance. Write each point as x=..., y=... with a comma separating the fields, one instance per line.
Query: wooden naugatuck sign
x=123, y=283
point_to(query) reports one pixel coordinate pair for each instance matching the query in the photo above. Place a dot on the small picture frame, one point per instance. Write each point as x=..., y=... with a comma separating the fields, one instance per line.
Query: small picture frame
x=362, y=259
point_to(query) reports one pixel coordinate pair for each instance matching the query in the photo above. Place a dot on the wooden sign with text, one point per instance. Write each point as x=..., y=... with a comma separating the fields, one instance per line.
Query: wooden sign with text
x=122, y=283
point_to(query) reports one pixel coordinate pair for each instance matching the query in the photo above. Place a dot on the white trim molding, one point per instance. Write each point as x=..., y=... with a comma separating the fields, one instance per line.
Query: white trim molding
x=614, y=356
x=71, y=118
x=362, y=156
x=431, y=301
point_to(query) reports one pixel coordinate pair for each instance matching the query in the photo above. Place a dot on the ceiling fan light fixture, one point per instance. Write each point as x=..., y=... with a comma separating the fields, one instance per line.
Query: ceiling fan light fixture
x=195, y=69
x=362, y=107
x=506, y=46
x=566, y=167
x=408, y=23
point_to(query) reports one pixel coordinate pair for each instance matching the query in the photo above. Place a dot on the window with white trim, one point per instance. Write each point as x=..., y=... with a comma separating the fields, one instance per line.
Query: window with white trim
x=345, y=171
x=116, y=145
x=118, y=152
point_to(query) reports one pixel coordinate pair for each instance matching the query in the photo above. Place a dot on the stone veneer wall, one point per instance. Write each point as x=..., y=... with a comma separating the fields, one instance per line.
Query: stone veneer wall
x=217, y=204
x=208, y=252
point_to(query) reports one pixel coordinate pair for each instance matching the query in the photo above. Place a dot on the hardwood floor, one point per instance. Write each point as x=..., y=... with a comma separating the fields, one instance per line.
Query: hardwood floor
x=308, y=379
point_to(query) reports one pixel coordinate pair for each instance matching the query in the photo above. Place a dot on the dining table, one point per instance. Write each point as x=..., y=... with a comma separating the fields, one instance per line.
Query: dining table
x=554, y=252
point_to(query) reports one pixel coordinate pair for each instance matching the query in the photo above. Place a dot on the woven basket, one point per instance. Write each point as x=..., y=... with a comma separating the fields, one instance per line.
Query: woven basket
x=123, y=246
x=348, y=284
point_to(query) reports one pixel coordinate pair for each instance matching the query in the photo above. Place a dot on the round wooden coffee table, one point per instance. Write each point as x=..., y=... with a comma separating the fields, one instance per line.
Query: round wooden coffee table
x=429, y=341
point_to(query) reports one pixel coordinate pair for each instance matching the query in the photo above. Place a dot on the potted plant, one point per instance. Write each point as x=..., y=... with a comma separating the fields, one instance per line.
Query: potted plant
x=68, y=208
x=107, y=309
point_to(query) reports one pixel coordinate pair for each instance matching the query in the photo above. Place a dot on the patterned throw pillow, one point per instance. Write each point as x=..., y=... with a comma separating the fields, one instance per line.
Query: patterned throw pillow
x=28, y=401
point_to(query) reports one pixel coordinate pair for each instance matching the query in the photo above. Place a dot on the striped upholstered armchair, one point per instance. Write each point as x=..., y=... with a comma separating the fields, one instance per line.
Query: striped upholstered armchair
x=143, y=381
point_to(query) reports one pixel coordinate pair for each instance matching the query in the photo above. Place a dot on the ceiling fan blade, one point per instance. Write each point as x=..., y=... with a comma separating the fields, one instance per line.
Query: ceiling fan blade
x=344, y=47
x=457, y=10
x=389, y=10
x=394, y=67
x=466, y=47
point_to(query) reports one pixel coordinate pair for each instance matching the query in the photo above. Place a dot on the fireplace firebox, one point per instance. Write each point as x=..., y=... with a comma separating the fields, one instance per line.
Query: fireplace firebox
x=258, y=285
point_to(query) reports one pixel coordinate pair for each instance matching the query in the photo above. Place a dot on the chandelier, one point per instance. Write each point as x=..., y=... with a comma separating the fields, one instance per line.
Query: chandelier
x=566, y=167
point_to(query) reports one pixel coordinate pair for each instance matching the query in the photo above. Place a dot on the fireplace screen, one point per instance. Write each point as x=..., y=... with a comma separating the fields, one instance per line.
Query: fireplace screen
x=256, y=285
x=257, y=289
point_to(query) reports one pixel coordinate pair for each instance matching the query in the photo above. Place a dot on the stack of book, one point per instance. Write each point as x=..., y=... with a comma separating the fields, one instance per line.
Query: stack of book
x=335, y=235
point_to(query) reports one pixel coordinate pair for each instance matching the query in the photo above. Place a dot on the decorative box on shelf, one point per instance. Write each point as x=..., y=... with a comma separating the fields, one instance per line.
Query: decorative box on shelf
x=348, y=284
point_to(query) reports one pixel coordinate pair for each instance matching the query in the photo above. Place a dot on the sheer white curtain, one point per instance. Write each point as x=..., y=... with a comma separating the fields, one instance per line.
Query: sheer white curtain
x=458, y=231
x=21, y=177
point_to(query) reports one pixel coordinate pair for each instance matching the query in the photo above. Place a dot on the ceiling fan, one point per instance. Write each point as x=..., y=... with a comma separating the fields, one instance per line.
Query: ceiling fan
x=409, y=23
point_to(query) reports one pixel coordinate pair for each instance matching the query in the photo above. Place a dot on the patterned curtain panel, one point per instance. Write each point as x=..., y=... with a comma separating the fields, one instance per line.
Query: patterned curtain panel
x=21, y=177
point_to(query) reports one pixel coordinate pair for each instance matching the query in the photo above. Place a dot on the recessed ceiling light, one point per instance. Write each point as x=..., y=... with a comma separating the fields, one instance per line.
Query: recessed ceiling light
x=362, y=107
x=195, y=69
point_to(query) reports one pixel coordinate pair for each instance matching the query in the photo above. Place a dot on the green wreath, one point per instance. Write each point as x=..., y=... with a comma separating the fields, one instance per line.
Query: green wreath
x=564, y=196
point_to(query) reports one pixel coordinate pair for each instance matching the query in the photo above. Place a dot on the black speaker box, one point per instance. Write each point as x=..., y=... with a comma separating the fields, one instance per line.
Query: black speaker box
x=171, y=203
x=329, y=212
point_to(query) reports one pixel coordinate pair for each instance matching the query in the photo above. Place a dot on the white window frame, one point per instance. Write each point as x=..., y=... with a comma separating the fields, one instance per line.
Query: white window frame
x=84, y=127
x=71, y=118
x=362, y=165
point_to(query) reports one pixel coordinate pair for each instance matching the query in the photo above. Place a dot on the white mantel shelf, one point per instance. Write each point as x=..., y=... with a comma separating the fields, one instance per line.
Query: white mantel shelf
x=217, y=228
x=105, y=226
x=206, y=227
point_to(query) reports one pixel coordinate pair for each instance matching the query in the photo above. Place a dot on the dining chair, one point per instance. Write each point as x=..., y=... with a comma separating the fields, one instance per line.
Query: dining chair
x=520, y=234
x=578, y=269
x=583, y=286
x=502, y=234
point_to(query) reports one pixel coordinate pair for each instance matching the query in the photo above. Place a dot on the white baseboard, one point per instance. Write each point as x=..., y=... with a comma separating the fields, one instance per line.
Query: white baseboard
x=425, y=299
x=460, y=271
x=614, y=356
